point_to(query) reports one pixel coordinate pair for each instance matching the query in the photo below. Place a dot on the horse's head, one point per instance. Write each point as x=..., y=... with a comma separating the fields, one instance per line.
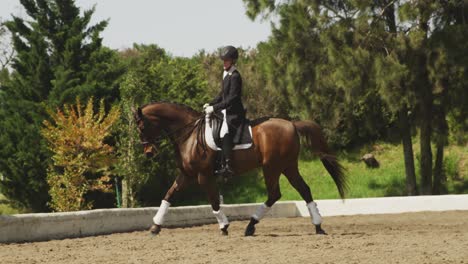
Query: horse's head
x=148, y=130
x=161, y=118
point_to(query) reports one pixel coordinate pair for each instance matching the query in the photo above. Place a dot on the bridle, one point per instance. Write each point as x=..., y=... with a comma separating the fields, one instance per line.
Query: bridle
x=178, y=135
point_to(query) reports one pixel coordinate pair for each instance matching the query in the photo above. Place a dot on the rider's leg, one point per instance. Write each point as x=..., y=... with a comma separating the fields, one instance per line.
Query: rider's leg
x=227, y=146
x=227, y=150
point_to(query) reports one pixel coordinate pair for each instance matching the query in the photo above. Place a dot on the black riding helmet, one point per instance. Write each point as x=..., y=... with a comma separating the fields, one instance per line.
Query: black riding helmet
x=229, y=52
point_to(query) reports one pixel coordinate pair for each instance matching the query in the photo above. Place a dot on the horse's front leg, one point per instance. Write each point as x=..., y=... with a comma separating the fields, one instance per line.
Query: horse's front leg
x=208, y=184
x=158, y=220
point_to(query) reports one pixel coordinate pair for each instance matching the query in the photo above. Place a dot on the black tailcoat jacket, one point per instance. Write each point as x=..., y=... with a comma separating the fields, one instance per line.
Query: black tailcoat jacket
x=230, y=99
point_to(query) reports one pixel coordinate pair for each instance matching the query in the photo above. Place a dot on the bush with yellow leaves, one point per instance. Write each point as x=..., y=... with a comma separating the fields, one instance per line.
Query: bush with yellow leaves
x=82, y=161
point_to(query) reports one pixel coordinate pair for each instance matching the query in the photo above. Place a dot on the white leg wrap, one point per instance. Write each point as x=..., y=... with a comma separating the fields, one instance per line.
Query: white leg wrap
x=159, y=217
x=314, y=213
x=221, y=217
x=261, y=211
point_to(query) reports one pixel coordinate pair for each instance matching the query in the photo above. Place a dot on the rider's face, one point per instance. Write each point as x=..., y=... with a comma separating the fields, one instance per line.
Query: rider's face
x=227, y=64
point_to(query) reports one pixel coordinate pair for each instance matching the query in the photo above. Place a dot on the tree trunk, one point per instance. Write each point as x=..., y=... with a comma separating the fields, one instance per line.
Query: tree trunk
x=425, y=146
x=424, y=90
x=405, y=133
x=404, y=125
x=441, y=134
x=439, y=178
x=425, y=142
x=129, y=164
x=125, y=193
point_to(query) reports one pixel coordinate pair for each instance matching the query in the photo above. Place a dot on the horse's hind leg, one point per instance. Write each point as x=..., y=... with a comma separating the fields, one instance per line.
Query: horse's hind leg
x=296, y=180
x=274, y=194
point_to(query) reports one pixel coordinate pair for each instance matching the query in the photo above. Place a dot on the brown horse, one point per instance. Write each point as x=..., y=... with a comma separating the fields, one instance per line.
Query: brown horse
x=275, y=148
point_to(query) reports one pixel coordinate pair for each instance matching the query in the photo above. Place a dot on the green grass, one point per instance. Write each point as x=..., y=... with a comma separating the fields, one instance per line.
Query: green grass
x=5, y=208
x=249, y=188
x=456, y=168
x=387, y=180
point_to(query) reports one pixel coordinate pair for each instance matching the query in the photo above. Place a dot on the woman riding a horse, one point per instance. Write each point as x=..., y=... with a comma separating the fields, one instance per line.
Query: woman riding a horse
x=229, y=102
x=275, y=148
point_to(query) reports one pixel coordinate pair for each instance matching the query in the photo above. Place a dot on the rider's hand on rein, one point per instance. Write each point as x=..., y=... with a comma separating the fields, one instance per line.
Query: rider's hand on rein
x=209, y=110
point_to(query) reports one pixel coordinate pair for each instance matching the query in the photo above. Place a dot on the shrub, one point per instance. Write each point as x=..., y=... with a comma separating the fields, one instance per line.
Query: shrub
x=81, y=158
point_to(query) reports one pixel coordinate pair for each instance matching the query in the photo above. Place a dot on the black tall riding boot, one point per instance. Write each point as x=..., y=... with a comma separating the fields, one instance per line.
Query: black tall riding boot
x=226, y=170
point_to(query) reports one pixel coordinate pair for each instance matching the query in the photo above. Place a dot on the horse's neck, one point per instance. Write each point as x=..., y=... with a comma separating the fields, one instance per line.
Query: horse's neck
x=174, y=118
x=178, y=123
x=182, y=128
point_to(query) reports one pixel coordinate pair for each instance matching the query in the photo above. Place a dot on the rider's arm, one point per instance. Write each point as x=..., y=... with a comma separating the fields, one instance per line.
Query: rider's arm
x=218, y=98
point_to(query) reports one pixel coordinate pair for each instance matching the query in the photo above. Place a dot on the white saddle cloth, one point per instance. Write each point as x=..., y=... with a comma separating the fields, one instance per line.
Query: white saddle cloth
x=209, y=134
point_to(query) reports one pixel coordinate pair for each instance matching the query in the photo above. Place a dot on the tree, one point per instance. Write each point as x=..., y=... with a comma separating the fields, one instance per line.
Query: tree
x=82, y=161
x=389, y=45
x=394, y=81
x=447, y=66
x=414, y=42
x=153, y=76
x=6, y=55
x=6, y=52
x=318, y=66
x=58, y=56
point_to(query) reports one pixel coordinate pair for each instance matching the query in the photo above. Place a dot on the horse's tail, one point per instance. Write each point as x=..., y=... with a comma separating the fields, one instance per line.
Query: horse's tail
x=316, y=142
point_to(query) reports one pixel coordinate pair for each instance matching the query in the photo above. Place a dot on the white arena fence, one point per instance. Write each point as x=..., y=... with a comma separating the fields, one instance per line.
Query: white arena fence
x=47, y=226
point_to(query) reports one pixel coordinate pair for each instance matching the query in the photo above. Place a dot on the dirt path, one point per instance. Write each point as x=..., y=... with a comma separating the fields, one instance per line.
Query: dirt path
x=429, y=237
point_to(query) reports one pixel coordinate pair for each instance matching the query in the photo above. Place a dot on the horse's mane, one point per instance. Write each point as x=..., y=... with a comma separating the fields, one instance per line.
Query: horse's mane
x=183, y=106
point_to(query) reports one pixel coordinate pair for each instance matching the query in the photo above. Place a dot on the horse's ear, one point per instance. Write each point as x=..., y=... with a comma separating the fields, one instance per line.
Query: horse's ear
x=137, y=113
x=140, y=113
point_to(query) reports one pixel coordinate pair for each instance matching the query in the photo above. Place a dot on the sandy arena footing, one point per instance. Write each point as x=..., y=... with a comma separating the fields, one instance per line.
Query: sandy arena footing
x=423, y=237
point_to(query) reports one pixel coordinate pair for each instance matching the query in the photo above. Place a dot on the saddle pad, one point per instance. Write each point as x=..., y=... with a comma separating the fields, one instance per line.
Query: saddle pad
x=211, y=142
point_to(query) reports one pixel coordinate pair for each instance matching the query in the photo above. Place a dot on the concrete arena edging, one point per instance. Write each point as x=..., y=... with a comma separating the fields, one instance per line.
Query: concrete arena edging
x=47, y=226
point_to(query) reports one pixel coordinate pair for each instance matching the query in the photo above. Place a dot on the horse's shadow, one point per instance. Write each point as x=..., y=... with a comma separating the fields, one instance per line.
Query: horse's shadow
x=286, y=235
x=359, y=234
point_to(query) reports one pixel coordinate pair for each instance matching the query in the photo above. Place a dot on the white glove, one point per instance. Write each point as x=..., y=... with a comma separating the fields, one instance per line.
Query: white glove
x=205, y=106
x=209, y=110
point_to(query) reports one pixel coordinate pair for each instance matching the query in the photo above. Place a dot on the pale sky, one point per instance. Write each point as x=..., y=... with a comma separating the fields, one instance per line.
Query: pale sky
x=182, y=27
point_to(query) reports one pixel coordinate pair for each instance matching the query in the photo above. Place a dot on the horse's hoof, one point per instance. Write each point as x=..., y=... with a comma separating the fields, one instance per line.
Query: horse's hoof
x=319, y=230
x=155, y=229
x=249, y=231
x=224, y=230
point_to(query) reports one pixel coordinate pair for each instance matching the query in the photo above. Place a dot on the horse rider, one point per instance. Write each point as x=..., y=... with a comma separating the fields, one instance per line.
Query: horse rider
x=229, y=102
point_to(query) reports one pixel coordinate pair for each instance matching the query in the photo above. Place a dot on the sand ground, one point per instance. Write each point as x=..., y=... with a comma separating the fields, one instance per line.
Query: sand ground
x=427, y=237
